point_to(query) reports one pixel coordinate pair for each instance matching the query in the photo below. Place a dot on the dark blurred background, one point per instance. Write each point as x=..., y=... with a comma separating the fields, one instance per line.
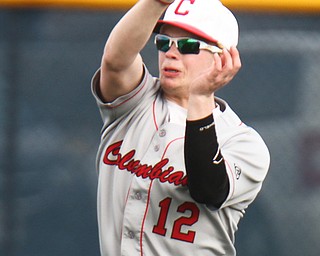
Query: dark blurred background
x=49, y=128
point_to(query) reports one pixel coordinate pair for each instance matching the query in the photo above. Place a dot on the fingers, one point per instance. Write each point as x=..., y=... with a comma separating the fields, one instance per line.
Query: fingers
x=218, y=62
x=226, y=66
x=230, y=63
x=231, y=59
x=235, y=55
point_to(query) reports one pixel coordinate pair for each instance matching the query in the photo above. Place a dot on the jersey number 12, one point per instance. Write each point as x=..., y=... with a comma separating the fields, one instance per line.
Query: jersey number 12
x=178, y=223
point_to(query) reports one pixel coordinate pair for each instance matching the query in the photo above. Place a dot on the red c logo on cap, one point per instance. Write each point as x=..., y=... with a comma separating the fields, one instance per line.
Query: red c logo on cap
x=178, y=12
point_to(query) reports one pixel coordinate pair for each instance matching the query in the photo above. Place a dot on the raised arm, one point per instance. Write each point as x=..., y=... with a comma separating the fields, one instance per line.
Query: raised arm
x=207, y=176
x=121, y=67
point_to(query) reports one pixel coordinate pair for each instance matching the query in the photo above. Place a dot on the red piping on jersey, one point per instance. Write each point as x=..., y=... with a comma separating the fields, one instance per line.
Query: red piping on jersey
x=166, y=149
x=123, y=102
x=144, y=218
x=149, y=191
x=125, y=202
x=151, y=183
x=154, y=113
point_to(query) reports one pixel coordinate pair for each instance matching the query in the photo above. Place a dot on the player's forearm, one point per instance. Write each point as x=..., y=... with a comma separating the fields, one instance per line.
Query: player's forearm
x=200, y=106
x=207, y=177
x=132, y=33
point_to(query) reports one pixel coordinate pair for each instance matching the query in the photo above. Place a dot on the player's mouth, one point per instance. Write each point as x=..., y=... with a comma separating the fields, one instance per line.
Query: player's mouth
x=170, y=72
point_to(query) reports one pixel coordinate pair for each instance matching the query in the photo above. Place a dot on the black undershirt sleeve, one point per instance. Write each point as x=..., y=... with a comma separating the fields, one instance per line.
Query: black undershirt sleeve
x=207, y=178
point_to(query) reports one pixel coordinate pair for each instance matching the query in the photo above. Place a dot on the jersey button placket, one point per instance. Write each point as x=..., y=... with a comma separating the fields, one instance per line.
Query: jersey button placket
x=131, y=235
x=133, y=217
x=156, y=148
x=138, y=196
x=162, y=133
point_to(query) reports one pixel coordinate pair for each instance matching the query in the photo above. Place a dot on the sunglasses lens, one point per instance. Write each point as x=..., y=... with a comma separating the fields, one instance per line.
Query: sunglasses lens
x=185, y=45
x=188, y=46
x=162, y=43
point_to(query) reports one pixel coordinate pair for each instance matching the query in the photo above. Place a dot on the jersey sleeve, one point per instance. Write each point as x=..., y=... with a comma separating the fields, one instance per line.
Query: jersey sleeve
x=111, y=111
x=246, y=157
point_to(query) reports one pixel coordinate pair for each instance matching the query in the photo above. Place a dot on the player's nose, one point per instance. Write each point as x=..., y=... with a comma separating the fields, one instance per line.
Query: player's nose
x=173, y=51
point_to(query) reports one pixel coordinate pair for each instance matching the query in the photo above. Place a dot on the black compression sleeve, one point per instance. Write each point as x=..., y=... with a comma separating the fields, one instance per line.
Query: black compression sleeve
x=207, y=178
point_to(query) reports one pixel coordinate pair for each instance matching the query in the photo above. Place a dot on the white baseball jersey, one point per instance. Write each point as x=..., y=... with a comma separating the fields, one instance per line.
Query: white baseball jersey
x=144, y=205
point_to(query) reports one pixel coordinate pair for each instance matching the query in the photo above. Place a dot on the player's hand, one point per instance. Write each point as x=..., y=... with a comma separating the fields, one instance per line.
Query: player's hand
x=225, y=66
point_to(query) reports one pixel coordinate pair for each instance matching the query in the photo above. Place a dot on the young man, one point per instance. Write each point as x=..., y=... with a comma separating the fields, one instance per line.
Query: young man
x=177, y=167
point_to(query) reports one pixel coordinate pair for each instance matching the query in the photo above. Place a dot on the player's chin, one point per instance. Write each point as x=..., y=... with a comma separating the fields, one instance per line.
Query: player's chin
x=170, y=78
x=168, y=83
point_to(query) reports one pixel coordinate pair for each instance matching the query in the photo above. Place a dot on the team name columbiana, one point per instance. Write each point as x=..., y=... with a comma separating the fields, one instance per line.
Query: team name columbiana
x=127, y=162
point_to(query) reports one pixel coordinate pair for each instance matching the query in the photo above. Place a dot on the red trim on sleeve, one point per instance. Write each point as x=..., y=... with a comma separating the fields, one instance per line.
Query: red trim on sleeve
x=123, y=102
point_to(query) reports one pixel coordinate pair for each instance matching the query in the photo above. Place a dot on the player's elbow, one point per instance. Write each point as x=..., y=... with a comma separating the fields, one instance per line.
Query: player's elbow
x=110, y=61
x=209, y=195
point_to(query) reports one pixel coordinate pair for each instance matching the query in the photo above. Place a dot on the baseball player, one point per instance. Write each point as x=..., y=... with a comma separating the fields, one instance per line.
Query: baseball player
x=177, y=167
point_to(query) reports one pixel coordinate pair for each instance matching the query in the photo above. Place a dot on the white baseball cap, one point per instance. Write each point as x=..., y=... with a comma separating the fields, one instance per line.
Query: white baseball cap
x=208, y=19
